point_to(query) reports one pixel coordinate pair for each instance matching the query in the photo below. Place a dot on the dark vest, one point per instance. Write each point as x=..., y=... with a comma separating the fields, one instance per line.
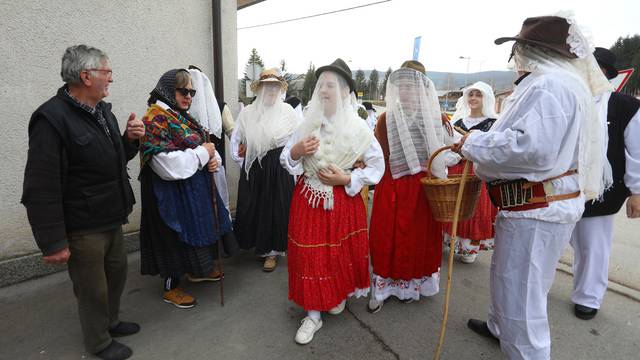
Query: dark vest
x=621, y=109
x=96, y=189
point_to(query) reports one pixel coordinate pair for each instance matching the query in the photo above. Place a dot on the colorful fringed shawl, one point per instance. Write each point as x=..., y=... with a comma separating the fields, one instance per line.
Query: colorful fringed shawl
x=166, y=130
x=184, y=205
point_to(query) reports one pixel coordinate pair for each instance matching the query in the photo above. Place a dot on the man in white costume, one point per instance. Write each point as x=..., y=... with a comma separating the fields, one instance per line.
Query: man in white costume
x=541, y=160
x=592, y=237
x=371, y=114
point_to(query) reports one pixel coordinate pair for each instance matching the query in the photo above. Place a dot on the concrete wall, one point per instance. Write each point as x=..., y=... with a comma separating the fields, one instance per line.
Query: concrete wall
x=143, y=39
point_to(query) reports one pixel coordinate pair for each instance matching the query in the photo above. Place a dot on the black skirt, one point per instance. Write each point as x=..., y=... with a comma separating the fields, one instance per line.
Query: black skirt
x=262, y=213
x=161, y=251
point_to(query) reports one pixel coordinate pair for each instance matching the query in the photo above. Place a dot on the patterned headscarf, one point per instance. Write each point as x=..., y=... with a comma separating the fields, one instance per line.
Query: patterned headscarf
x=168, y=129
x=165, y=89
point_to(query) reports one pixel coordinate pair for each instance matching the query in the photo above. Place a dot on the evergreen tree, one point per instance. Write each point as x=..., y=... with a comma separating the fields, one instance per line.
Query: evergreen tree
x=309, y=84
x=361, y=81
x=383, y=89
x=254, y=65
x=627, y=51
x=289, y=78
x=373, y=85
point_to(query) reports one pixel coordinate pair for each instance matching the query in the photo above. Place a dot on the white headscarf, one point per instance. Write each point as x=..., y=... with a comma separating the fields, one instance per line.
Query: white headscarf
x=593, y=168
x=265, y=123
x=204, y=106
x=414, y=125
x=488, y=102
x=344, y=137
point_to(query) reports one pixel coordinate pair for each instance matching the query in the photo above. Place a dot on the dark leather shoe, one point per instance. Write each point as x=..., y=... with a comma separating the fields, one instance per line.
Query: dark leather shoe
x=124, y=328
x=584, y=312
x=115, y=351
x=480, y=327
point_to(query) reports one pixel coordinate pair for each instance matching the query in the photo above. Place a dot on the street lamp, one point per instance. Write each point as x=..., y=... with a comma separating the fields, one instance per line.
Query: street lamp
x=466, y=76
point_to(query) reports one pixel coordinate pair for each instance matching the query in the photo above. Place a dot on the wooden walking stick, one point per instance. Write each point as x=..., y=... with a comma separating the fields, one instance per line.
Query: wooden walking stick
x=440, y=193
x=216, y=224
x=452, y=243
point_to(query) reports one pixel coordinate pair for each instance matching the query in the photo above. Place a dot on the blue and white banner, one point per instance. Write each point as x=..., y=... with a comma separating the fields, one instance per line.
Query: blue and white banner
x=416, y=47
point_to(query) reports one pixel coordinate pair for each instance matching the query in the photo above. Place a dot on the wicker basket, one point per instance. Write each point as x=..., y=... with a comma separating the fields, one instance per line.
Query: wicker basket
x=442, y=193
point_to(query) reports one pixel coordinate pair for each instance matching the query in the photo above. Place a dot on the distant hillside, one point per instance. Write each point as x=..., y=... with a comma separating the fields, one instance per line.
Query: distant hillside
x=499, y=80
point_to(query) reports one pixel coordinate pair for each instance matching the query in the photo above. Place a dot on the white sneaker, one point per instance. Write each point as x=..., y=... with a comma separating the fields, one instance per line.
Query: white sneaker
x=307, y=329
x=338, y=309
x=374, y=306
x=468, y=258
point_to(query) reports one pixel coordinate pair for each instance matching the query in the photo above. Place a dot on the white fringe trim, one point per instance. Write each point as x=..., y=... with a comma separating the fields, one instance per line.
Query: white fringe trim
x=315, y=192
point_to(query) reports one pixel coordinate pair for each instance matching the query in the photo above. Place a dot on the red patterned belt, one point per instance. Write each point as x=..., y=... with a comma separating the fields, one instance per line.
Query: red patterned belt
x=520, y=195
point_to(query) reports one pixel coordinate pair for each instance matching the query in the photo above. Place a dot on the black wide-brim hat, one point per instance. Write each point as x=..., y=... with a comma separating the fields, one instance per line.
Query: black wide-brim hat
x=607, y=60
x=367, y=105
x=549, y=32
x=341, y=68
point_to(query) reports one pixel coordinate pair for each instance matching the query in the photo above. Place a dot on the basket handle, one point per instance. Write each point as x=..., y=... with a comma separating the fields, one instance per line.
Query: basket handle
x=433, y=156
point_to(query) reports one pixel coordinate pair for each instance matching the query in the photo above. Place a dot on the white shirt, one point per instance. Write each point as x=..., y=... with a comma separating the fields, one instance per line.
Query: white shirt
x=535, y=139
x=371, y=119
x=370, y=175
x=632, y=154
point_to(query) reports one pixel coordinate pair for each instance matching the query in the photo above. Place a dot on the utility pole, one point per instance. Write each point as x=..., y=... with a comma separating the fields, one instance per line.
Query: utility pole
x=466, y=76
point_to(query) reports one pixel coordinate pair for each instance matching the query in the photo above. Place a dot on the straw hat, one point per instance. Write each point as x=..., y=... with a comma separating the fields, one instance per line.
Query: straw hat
x=269, y=76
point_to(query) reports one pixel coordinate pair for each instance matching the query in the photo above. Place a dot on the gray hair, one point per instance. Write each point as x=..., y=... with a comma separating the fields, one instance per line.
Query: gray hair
x=78, y=58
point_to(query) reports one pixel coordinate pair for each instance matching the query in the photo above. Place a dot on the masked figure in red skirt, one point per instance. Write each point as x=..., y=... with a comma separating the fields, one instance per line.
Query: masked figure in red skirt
x=328, y=242
x=406, y=245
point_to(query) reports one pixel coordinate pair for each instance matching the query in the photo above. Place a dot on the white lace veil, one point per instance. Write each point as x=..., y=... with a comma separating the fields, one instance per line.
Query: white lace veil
x=414, y=125
x=594, y=169
x=204, y=106
x=265, y=122
x=488, y=102
x=344, y=137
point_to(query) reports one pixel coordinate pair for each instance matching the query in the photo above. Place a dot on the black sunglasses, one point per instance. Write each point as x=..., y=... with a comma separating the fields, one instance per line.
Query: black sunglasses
x=184, y=92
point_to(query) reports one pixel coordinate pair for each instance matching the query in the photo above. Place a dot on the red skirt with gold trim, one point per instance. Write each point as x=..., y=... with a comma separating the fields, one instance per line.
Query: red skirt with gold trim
x=328, y=250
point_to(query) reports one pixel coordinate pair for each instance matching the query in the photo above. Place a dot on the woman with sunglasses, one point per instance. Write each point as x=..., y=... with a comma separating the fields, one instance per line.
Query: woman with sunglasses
x=175, y=177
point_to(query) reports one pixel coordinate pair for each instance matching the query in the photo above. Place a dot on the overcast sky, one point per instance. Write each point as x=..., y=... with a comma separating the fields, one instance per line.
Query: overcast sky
x=382, y=35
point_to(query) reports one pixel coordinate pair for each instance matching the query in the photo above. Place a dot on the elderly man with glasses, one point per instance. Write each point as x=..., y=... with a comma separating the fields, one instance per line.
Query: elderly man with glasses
x=77, y=193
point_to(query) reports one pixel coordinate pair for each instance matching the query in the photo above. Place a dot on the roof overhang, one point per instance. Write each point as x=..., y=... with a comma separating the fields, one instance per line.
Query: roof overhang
x=246, y=3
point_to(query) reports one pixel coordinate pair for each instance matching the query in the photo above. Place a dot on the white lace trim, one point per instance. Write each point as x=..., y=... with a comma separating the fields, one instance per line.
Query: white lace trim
x=579, y=44
x=465, y=247
x=274, y=253
x=359, y=293
x=405, y=289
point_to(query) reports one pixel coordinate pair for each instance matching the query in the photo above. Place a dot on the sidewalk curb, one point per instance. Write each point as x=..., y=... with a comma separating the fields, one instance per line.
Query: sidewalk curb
x=27, y=267
x=617, y=288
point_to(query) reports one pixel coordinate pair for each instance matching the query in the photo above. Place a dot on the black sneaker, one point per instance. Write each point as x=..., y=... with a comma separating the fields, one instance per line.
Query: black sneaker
x=584, y=312
x=115, y=351
x=480, y=327
x=124, y=328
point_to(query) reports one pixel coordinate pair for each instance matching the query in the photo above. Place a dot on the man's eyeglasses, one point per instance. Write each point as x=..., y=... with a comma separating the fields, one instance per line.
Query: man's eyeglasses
x=109, y=72
x=184, y=92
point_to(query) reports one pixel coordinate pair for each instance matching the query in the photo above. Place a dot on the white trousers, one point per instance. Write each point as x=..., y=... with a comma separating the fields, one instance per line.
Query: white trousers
x=523, y=266
x=591, y=243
